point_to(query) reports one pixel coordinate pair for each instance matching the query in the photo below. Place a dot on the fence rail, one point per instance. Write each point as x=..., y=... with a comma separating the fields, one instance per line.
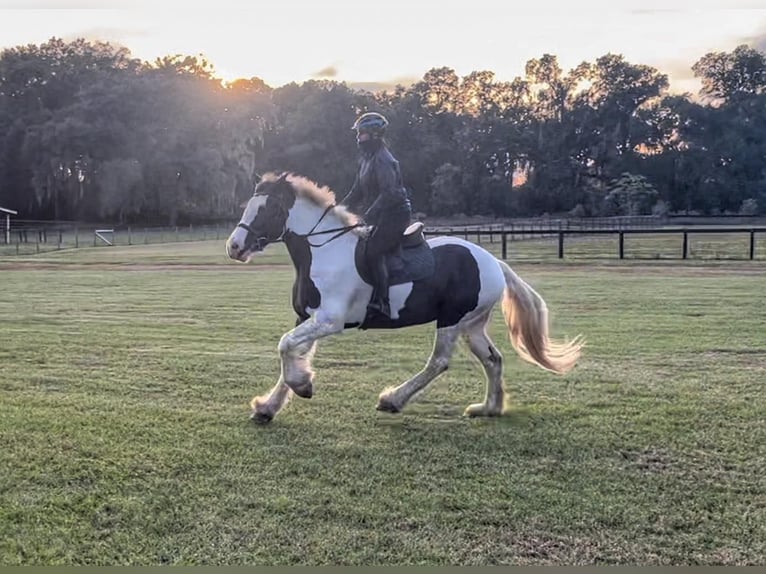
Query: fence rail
x=545, y=237
x=29, y=239
x=561, y=234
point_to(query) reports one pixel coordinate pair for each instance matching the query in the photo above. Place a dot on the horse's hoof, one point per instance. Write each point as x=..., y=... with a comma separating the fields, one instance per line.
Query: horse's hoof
x=387, y=407
x=261, y=418
x=480, y=410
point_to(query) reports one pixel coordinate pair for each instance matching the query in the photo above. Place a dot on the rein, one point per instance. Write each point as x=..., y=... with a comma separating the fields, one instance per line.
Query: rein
x=337, y=230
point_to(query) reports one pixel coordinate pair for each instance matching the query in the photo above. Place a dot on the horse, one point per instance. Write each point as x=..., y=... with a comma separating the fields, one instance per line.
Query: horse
x=454, y=283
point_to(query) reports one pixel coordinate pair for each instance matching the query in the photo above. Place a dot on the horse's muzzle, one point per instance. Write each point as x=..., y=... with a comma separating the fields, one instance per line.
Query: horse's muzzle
x=245, y=252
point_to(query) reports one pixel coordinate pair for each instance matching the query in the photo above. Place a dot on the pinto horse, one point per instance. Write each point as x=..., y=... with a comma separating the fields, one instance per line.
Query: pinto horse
x=445, y=280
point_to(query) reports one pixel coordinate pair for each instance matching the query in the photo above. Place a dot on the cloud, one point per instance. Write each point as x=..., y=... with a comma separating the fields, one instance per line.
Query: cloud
x=63, y=4
x=678, y=69
x=666, y=6
x=758, y=40
x=326, y=72
x=652, y=11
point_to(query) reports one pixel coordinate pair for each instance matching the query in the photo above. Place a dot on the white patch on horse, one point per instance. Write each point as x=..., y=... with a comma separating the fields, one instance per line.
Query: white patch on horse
x=397, y=295
x=237, y=238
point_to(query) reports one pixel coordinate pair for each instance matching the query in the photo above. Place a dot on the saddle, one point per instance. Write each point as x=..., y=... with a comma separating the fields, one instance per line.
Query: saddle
x=411, y=261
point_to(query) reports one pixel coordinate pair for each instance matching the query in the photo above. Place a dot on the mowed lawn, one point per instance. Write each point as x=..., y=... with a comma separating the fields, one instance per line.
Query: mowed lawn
x=125, y=438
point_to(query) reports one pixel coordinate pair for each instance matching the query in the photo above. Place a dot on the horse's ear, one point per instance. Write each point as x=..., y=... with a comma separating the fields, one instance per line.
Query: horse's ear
x=257, y=177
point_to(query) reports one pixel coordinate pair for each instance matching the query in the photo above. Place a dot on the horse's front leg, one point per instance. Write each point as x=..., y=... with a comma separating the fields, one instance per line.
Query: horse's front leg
x=296, y=348
x=266, y=407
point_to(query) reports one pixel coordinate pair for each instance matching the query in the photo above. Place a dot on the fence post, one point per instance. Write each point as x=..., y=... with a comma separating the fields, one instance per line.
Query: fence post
x=77, y=237
x=622, y=245
x=686, y=244
x=561, y=244
x=130, y=236
x=505, y=246
x=752, y=244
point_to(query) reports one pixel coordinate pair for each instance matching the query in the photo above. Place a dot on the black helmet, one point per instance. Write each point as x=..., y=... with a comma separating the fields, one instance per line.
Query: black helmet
x=372, y=123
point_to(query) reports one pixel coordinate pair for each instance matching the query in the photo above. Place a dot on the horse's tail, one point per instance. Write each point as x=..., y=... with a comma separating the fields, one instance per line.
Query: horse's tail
x=526, y=315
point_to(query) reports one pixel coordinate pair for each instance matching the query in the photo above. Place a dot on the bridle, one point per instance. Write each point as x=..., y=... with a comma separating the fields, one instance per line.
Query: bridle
x=259, y=243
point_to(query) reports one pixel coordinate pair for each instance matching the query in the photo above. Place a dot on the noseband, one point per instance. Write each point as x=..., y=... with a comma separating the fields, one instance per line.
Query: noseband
x=259, y=243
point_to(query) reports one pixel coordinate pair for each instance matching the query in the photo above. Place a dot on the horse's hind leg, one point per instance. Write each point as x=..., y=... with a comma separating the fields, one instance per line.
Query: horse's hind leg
x=266, y=407
x=490, y=358
x=394, y=399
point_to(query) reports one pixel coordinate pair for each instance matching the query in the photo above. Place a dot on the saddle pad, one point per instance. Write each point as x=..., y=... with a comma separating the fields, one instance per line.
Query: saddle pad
x=410, y=264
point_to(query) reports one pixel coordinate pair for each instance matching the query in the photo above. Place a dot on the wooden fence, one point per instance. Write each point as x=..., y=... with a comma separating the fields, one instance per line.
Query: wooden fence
x=506, y=235
x=36, y=237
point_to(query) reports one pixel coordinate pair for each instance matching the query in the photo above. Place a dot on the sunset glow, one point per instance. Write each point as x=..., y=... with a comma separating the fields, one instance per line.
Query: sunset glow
x=297, y=40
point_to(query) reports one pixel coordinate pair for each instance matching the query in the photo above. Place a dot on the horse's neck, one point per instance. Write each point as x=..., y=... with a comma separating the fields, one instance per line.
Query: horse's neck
x=308, y=217
x=330, y=247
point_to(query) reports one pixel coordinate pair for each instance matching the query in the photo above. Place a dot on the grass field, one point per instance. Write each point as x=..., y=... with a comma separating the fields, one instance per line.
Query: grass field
x=126, y=373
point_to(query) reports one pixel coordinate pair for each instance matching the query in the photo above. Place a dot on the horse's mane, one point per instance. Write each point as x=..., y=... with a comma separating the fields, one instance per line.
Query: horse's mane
x=322, y=196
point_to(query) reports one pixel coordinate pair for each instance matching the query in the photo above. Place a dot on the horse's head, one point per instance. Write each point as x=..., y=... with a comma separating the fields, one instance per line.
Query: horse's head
x=264, y=219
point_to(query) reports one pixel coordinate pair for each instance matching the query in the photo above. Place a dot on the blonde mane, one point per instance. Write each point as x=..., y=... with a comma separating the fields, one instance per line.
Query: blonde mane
x=322, y=196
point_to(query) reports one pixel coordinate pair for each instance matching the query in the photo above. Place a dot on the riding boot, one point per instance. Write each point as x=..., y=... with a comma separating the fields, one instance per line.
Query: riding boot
x=380, y=303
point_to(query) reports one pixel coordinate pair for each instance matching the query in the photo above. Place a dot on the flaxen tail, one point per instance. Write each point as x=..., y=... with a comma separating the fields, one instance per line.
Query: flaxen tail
x=526, y=315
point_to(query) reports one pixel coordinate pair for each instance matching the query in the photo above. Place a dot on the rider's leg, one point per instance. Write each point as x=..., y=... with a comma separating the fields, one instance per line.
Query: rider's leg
x=384, y=239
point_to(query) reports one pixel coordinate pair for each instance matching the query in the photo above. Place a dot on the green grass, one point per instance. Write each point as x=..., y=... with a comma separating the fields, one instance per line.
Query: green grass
x=125, y=439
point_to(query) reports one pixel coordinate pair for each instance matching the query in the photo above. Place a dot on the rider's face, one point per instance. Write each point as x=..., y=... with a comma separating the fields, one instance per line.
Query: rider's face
x=362, y=137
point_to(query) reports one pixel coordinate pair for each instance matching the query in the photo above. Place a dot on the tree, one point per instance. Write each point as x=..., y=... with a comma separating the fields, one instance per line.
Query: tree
x=726, y=76
x=629, y=194
x=446, y=190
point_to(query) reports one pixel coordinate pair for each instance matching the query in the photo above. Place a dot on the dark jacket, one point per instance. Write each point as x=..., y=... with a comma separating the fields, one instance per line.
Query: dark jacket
x=378, y=188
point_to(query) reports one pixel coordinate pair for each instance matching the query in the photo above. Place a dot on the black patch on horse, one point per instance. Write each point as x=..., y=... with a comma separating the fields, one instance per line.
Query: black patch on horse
x=445, y=296
x=305, y=293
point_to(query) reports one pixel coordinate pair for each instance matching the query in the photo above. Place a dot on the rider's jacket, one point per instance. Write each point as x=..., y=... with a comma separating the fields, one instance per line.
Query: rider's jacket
x=378, y=187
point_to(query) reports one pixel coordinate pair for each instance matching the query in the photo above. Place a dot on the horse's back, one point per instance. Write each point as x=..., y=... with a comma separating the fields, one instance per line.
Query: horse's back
x=484, y=259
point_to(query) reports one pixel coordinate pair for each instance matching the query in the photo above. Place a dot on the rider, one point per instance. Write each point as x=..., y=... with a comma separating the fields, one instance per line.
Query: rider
x=378, y=186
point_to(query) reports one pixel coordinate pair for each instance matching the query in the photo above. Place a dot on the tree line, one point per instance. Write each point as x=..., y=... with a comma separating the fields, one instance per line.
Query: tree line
x=89, y=133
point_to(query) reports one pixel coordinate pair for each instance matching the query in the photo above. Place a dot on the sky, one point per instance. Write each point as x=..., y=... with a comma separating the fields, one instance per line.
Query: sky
x=381, y=43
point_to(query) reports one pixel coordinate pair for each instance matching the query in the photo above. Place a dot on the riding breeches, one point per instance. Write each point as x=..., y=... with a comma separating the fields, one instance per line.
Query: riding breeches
x=386, y=238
